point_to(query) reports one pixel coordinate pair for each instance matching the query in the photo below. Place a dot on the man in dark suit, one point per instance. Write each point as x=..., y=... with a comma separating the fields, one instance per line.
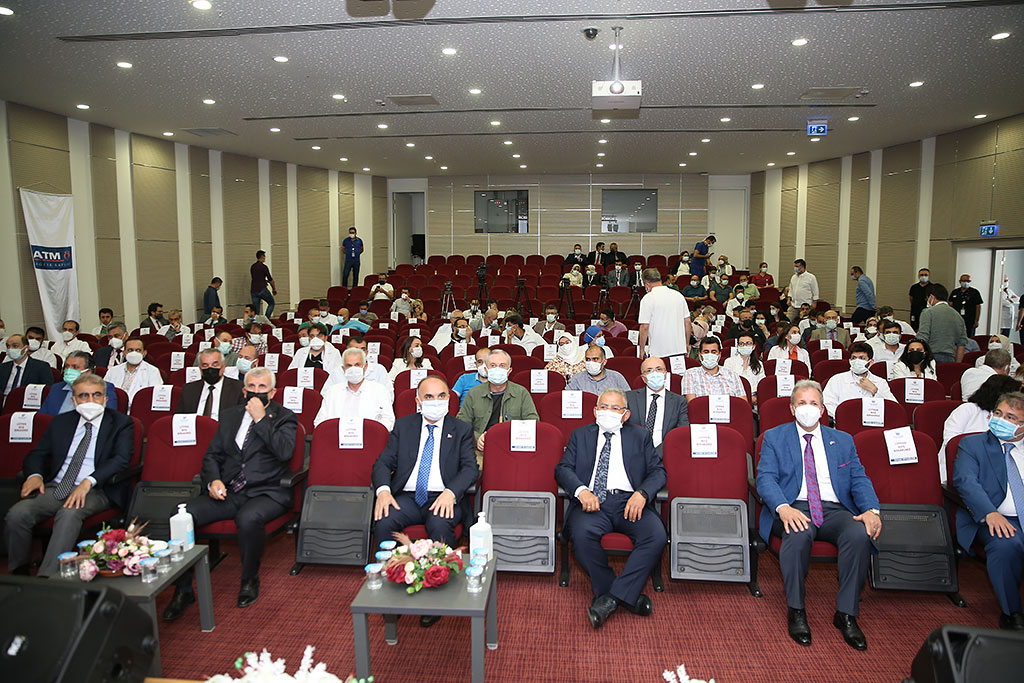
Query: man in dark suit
x=614, y=255
x=576, y=258
x=19, y=369
x=824, y=494
x=654, y=407
x=112, y=354
x=214, y=393
x=70, y=475
x=154, y=319
x=613, y=474
x=60, y=399
x=596, y=257
x=987, y=475
x=241, y=478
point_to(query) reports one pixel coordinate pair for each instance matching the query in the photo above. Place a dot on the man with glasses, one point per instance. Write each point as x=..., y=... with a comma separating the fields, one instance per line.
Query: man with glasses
x=60, y=399
x=112, y=354
x=70, y=475
x=653, y=406
x=613, y=473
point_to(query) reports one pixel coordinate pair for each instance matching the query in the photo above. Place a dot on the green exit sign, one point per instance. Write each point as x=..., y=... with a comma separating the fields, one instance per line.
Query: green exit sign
x=988, y=230
x=817, y=128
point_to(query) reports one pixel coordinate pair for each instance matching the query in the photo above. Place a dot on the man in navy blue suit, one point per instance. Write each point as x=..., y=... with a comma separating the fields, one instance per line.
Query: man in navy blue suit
x=814, y=487
x=20, y=369
x=59, y=400
x=987, y=474
x=613, y=472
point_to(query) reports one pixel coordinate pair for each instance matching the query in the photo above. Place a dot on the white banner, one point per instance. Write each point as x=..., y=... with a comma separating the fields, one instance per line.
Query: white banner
x=50, y=221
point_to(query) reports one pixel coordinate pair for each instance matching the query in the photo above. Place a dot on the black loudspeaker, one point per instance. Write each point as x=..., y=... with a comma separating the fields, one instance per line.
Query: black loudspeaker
x=54, y=631
x=967, y=654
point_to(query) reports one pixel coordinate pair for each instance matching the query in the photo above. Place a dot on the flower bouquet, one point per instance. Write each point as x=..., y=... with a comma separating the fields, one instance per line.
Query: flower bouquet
x=118, y=551
x=264, y=669
x=422, y=564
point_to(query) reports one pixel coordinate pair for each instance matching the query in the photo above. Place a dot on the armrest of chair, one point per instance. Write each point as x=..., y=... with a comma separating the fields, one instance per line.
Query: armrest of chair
x=129, y=472
x=752, y=488
x=662, y=495
x=951, y=494
x=295, y=478
x=197, y=479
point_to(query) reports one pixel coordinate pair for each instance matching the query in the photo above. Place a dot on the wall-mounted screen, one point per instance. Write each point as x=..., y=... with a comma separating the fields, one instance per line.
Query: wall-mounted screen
x=629, y=211
x=501, y=211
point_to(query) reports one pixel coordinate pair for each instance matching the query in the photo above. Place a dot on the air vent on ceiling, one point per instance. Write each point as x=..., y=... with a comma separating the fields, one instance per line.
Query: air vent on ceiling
x=412, y=100
x=208, y=132
x=830, y=94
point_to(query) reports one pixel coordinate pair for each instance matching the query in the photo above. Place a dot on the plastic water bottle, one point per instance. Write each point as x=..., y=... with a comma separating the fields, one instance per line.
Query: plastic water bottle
x=182, y=527
x=480, y=537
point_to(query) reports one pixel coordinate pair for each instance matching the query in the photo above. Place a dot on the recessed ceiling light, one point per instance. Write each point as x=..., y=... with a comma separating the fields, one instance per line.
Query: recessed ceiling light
x=449, y=51
x=125, y=65
x=338, y=96
x=275, y=130
x=757, y=86
x=280, y=59
x=209, y=101
x=444, y=168
x=602, y=141
x=495, y=123
x=683, y=164
x=725, y=119
x=429, y=158
x=606, y=120
x=410, y=144
x=342, y=158
x=168, y=133
x=366, y=168
x=382, y=126
x=799, y=42
x=315, y=147
x=7, y=11
x=522, y=165
x=201, y=4
x=507, y=142
x=516, y=156
x=977, y=116
x=705, y=139
x=998, y=36
x=916, y=84
x=86, y=106
x=790, y=154
x=475, y=91
x=815, y=139
x=853, y=118
x=599, y=165
x=693, y=154
x=600, y=154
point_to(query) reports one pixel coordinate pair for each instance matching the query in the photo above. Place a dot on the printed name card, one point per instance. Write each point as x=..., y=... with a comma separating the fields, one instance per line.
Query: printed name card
x=196, y=326
x=469, y=363
x=784, y=385
x=371, y=358
x=337, y=339
x=677, y=365
x=580, y=327
x=593, y=321
x=900, y=444
x=460, y=349
x=534, y=320
x=208, y=333
x=872, y=412
x=272, y=361
x=290, y=315
x=523, y=435
x=293, y=399
x=193, y=373
x=345, y=331
x=305, y=378
x=177, y=360
x=163, y=330
x=186, y=339
x=718, y=408
x=416, y=376
x=493, y=340
x=21, y=427
x=373, y=347
x=230, y=373
x=835, y=354
x=394, y=316
x=538, y=381
x=183, y=430
x=411, y=320
x=633, y=336
x=278, y=333
x=783, y=366
x=825, y=344
x=848, y=326
x=913, y=390
x=161, y=397
x=550, y=351
x=385, y=326
x=716, y=329
x=414, y=332
x=572, y=405
x=703, y=441
x=720, y=319
x=350, y=432
x=33, y=398
x=239, y=321
x=204, y=345
x=288, y=348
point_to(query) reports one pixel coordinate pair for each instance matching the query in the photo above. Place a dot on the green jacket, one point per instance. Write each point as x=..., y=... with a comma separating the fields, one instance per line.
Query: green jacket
x=516, y=404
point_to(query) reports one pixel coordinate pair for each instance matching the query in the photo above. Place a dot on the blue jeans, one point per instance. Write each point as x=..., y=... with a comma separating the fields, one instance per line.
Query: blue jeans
x=351, y=265
x=265, y=295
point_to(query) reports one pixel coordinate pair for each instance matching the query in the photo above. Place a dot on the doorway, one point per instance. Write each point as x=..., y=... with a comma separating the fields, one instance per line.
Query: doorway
x=989, y=268
x=408, y=230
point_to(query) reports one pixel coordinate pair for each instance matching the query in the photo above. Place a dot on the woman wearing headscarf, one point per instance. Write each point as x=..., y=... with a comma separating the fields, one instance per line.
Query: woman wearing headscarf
x=569, y=355
x=574, y=276
x=1000, y=341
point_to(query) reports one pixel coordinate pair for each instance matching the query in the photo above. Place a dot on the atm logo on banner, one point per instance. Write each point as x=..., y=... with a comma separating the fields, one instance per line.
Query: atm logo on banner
x=51, y=258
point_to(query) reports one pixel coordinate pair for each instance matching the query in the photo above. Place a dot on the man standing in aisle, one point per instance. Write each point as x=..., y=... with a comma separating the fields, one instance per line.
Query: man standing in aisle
x=262, y=284
x=918, y=297
x=865, y=296
x=664, y=319
x=353, y=246
x=211, y=297
x=701, y=253
x=803, y=288
x=942, y=327
x=967, y=301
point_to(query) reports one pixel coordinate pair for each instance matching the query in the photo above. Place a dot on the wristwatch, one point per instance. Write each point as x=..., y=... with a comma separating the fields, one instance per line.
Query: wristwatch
x=876, y=511
x=644, y=494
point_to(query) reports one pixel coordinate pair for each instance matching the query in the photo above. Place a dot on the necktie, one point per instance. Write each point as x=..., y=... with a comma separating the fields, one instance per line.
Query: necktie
x=208, y=408
x=601, y=476
x=652, y=413
x=832, y=335
x=248, y=436
x=1014, y=480
x=17, y=377
x=67, y=483
x=811, y=476
x=423, y=476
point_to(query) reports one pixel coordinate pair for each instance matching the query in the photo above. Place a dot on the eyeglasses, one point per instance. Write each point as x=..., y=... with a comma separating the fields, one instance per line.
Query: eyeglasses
x=617, y=409
x=96, y=396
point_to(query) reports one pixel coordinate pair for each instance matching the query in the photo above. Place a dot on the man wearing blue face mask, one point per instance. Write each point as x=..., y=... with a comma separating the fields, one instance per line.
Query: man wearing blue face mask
x=653, y=406
x=987, y=475
x=859, y=382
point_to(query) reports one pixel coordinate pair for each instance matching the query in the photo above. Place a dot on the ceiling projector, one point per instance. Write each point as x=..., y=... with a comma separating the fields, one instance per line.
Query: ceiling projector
x=615, y=94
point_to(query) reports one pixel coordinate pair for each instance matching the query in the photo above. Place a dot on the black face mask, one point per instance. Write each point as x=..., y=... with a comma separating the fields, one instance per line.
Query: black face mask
x=915, y=357
x=261, y=395
x=211, y=375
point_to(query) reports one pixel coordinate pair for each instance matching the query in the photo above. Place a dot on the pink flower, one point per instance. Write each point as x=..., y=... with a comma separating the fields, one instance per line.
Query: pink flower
x=87, y=570
x=420, y=548
x=132, y=566
x=122, y=552
x=98, y=548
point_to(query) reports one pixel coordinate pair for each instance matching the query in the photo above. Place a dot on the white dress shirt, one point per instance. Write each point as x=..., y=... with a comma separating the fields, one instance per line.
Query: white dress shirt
x=15, y=374
x=375, y=372
x=825, y=489
x=803, y=288
x=617, y=478
x=1014, y=363
x=434, y=482
x=901, y=371
x=243, y=429
x=145, y=375
x=45, y=355
x=62, y=348
x=659, y=418
x=966, y=418
x=1008, y=508
x=882, y=352
x=845, y=387
x=216, y=390
x=399, y=365
x=529, y=341
x=89, y=463
x=735, y=363
x=331, y=358
x=370, y=401
x=972, y=379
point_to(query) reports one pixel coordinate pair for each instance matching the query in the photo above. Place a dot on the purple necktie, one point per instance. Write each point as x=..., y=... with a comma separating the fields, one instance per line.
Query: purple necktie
x=811, y=476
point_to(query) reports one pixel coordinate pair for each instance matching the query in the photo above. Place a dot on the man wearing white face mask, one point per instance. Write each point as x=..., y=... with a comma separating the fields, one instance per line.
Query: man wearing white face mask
x=113, y=353
x=520, y=335
x=455, y=332
x=710, y=378
x=823, y=493
x=596, y=378
x=222, y=342
x=135, y=373
x=832, y=331
x=253, y=335
x=886, y=345
x=653, y=406
x=69, y=341
x=617, y=276
x=550, y=321
x=357, y=396
x=497, y=400
x=802, y=289
x=18, y=369
x=318, y=353
x=325, y=317
x=859, y=382
x=473, y=378
x=614, y=474
x=70, y=471
x=35, y=338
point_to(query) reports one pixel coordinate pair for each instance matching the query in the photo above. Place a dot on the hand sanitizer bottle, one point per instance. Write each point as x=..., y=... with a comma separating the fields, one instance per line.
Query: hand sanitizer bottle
x=480, y=537
x=182, y=527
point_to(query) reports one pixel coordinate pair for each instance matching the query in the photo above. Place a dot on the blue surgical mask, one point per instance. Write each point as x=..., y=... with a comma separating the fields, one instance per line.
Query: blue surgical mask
x=497, y=375
x=599, y=341
x=244, y=365
x=1002, y=429
x=655, y=380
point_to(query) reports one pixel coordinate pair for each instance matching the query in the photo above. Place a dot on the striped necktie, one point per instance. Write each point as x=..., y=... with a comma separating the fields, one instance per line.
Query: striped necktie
x=67, y=482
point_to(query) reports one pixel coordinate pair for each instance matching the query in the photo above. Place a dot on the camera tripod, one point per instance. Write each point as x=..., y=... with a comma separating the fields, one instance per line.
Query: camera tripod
x=602, y=302
x=565, y=296
x=634, y=299
x=521, y=302
x=447, y=300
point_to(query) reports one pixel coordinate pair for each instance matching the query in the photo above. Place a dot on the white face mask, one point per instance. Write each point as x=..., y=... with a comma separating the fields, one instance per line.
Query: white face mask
x=577, y=251
x=416, y=352
x=67, y=335
x=90, y=411
x=807, y=415
x=709, y=360
x=872, y=329
x=551, y=317
x=316, y=343
x=831, y=324
x=565, y=350
x=433, y=410
x=463, y=332
x=133, y=357
x=609, y=420
x=354, y=374
x=482, y=372
x=745, y=350
x=859, y=366
x=794, y=339
x=923, y=279
x=33, y=344
x=115, y=343
x=739, y=296
x=593, y=368
x=764, y=270
x=892, y=339
x=15, y=354
x=256, y=338
x=303, y=341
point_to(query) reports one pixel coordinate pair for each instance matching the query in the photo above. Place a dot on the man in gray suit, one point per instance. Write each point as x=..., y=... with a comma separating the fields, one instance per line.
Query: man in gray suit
x=942, y=327
x=654, y=407
x=832, y=331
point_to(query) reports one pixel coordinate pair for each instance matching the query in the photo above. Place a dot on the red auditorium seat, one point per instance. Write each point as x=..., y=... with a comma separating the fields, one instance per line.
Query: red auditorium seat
x=741, y=417
x=849, y=416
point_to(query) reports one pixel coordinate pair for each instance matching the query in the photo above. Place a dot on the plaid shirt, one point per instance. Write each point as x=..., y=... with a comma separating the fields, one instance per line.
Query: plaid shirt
x=238, y=342
x=700, y=382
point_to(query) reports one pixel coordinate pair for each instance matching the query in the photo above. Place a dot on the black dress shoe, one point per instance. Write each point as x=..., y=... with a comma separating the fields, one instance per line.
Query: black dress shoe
x=249, y=592
x=1011, y=622
x=428, y=620
x=799, y=629
x=643, y=606
x=23, y=570
x=179, y=602
x=847, y=625
x=600, y=609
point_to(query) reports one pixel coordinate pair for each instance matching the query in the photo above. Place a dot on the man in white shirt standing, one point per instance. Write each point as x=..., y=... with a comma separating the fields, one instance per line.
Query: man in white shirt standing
x=135, y=373
x=803, y=288
x=69, y=341
x=859, y=382
x=357, y=397
x=664, y=319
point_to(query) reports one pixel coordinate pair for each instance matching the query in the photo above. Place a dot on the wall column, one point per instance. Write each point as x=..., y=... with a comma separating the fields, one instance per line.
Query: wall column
x=183, y=187
x=773, y=223
x=924, y=204
x=334, y=226
x=874, y=212
x=126, y=226
x=293, y=233
x=13, y=313
x=85, y=230
x=843, y=253
x=801, y=211
x=217, y=248
x=363, y=188
x=263, y=170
